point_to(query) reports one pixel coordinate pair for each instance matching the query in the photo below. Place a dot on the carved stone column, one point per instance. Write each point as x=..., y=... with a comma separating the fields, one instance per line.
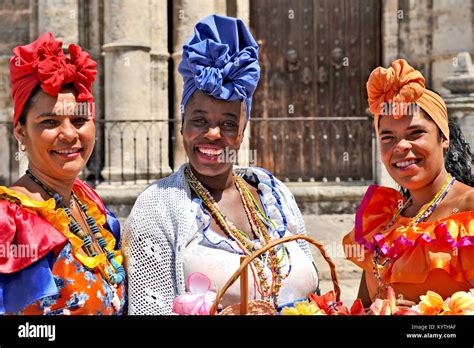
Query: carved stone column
x=14, y=30
x=61, y=17
x=159, y=133
x=127, y=90
x=8, y=155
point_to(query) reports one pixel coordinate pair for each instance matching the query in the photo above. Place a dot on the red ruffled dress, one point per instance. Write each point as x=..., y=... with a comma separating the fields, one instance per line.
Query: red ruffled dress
x=436, y=256
x=42, y=267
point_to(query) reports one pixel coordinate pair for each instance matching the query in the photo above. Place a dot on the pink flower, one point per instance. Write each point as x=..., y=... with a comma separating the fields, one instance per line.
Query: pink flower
x=199, y=300
x=389, y=306
x=380, y=307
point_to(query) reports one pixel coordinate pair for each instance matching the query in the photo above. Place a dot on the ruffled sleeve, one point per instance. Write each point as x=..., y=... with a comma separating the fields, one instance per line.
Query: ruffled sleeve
x=375, y=211
x=25, y=235
x=28, y=244
x=436, y=256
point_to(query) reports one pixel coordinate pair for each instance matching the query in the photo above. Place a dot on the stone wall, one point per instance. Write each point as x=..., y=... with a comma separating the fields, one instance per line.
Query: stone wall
x=14, y=29
x=14, y=24
x=428, y=34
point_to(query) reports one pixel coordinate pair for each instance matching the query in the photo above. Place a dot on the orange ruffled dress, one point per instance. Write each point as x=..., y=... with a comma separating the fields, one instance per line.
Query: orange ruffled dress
x=53, y=280
x=437, y=256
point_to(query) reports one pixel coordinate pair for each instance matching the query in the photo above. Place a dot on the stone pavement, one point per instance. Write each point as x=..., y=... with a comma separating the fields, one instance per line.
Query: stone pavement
x=329, y=230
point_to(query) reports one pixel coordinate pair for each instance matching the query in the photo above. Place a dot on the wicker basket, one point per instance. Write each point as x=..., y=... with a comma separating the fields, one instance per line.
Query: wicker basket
x=260, y=307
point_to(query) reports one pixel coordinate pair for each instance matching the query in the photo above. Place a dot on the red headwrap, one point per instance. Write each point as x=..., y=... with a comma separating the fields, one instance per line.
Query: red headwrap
x=44, y=63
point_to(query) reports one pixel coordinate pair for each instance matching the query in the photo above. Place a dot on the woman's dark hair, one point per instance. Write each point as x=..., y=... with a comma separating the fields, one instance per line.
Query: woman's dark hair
x=30, y=101
x=28, y=104
x=458, y=159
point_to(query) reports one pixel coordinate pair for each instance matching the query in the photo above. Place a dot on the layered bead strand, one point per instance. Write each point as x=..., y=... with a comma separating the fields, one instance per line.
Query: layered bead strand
x=115, y=273
x=119, y=275
x=243, y=241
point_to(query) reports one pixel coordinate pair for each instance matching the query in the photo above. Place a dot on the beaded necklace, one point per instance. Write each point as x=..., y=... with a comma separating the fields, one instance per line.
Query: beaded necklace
x=378, y=261
x=255, y=217
x=114, y=272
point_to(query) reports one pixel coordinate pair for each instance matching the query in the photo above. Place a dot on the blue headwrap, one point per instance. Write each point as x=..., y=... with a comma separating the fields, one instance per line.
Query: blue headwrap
x=220, y=59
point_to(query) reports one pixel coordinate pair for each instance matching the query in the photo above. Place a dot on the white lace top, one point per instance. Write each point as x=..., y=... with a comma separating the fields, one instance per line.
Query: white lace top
x=166, y=225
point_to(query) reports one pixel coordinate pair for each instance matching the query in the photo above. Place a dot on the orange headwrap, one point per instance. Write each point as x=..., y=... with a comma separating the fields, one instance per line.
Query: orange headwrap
x=401, y=83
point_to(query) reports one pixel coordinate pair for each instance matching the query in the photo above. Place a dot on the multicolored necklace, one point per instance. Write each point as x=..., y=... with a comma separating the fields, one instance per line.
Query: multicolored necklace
x=256, y=219
x=114, y=272
x=379, y=260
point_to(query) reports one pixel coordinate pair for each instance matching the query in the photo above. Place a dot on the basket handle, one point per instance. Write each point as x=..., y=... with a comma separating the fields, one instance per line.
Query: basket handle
x=267, y=247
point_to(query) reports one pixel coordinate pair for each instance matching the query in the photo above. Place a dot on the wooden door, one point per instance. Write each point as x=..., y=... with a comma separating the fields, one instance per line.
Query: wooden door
x=309, y=115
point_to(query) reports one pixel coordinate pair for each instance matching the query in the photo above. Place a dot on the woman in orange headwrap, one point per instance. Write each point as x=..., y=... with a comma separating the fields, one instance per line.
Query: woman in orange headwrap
x=421, y=238
x=58, y=242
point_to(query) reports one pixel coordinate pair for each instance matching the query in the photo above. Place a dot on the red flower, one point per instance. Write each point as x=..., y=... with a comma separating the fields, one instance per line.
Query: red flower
x=328, y=303
x=357, y=308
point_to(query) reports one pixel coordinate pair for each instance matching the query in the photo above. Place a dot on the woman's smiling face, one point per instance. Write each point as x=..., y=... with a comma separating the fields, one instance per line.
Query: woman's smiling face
x=411, y=149
x=58, y=139
x=212, y=129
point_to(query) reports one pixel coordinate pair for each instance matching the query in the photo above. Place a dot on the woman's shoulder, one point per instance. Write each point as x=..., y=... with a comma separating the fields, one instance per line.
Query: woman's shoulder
x=377, y=207
x=255, y=171
x=460, y=199
x=261, y=175
x=15, y=190
x=163, y=190
x=10, y=203
x=382, y=197
x=24, y=199
x=164, y=199
x=466, y=198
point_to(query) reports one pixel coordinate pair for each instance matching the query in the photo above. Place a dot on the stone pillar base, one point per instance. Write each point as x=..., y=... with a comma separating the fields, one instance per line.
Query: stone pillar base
x=461, y=107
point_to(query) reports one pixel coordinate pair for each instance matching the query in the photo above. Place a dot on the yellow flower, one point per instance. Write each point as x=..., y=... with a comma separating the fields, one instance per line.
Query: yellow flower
x=461, y=303
x=303, y=308
x=432, y=304
x=458, y=304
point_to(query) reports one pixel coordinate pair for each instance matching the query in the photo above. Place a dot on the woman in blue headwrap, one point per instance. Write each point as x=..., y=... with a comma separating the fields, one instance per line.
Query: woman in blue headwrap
x=186, y=232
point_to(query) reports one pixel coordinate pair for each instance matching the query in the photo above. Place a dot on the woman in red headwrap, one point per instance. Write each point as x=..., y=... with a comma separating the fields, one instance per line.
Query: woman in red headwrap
x=58, y=242
x=421, y=238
